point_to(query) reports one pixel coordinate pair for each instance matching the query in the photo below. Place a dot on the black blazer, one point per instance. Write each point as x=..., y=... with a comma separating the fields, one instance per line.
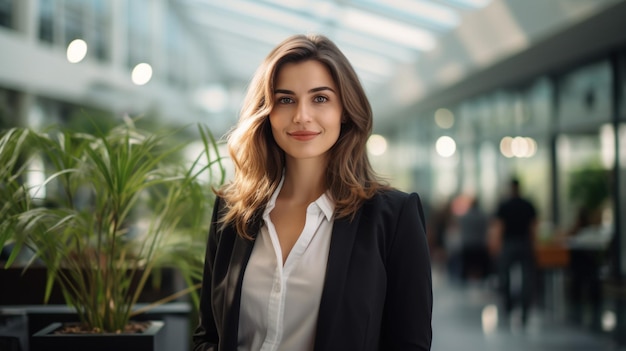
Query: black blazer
x=377, y=292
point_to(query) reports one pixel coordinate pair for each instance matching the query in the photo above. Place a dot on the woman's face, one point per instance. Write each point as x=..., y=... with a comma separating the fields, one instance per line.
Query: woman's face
x=306, y=117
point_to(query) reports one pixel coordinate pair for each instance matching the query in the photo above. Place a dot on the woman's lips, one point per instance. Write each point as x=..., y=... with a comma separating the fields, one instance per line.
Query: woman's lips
x=303, y=135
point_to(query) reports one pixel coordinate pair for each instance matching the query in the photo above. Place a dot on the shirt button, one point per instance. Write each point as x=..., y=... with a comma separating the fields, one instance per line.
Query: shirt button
x=277, y=288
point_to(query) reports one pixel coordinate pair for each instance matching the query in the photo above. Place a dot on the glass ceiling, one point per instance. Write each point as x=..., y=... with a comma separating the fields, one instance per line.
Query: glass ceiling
x=401, y=48
x=374, y=34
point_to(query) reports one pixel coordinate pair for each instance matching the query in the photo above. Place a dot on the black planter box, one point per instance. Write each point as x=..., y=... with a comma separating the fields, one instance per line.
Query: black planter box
x=150, y=340
x=175, y=315
x=13, y=330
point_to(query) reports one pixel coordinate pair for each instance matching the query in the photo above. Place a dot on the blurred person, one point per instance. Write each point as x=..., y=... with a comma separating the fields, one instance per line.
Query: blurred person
x=453, y=250
x=445, y=240
x=308, y=249
x=473, y=226
x=437, y=226
x=513, y=231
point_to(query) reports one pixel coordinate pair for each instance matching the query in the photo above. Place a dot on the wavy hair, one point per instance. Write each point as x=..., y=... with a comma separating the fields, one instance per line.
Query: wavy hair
x=258, y=161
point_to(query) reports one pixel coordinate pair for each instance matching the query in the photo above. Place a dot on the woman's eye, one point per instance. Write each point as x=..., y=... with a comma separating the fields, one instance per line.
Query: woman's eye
x=285, y=100
x=320, y=99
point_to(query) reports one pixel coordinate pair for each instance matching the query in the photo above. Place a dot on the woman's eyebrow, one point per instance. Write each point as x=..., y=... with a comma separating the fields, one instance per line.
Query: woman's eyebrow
x=284, y=91
x=313, y=90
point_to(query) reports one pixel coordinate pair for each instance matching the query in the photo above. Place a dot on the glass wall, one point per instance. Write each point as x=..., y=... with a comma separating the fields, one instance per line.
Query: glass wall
x=101, y=35
x=61, y=22
x=585, y=96
x=510, y=132
x=46, y=21
x=557, y=135
x=478, y=147
x=139, y=39
x=75, y=20
x=445, y=155
x=621, y=159
x=621, y=182
x=585, y=146
x=8, y=108
x=176, y=44
x=584, y=174
x=502, y=135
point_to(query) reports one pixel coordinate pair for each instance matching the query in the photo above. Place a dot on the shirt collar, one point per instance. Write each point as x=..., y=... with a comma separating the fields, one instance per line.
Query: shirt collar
x=327, y=205
x=324, y=202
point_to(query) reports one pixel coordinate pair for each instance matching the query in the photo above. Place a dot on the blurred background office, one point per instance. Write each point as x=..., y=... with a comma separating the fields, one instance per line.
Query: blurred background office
x=466, y=95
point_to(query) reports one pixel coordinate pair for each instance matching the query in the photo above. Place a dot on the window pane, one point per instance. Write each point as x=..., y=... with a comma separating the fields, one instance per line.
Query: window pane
x=74, y=17
x=101, y=29
x=585, y=95
x=537, y=113
x=46, y=23
x=139, y=41
x=584, y=171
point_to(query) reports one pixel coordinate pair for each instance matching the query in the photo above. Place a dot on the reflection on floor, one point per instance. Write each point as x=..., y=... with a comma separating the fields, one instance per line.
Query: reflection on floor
x=466, y=318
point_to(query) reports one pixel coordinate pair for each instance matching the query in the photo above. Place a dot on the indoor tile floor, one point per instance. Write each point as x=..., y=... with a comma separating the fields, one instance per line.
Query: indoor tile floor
x=466, y=318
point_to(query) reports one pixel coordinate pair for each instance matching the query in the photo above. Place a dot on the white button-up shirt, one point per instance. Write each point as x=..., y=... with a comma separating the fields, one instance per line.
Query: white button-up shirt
x=280, y=303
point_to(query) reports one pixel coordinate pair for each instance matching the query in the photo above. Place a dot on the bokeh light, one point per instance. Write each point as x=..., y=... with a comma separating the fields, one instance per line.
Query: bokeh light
x=76, y=51
x=445, y=146
x=376, y=144
x=142, y=73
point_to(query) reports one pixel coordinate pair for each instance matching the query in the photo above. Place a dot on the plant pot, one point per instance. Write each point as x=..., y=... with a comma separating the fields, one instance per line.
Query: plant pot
x=13, y=329
x=149, y=340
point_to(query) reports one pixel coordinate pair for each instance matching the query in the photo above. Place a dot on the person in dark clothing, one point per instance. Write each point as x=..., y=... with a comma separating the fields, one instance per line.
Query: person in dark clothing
x=473, y=226
x=515, y=226
x=584, y=267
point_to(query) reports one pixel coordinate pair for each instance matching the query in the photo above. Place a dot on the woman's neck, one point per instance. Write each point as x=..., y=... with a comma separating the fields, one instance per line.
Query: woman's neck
x=304, y=181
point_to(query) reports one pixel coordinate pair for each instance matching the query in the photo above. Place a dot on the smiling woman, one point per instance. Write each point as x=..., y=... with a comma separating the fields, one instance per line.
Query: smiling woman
x=307, y=109
x=308, y=249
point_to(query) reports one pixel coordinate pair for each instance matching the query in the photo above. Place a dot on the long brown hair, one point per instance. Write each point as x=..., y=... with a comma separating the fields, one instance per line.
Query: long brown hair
x=259, y=162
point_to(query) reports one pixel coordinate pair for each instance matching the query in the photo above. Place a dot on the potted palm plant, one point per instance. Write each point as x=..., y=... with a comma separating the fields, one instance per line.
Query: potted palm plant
x=112, y=209
x=589, y=189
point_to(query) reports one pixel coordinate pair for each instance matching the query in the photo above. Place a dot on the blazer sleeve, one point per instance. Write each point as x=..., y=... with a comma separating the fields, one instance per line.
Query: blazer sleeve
x=206, y=337
x=408, y=305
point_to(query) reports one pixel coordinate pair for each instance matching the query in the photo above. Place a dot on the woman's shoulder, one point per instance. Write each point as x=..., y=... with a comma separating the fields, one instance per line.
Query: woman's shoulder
x=392, y=206
x=394, y=195
x=393, y=199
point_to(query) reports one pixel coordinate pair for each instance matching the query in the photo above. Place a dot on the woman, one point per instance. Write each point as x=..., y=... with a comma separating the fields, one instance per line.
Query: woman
x=307, y=249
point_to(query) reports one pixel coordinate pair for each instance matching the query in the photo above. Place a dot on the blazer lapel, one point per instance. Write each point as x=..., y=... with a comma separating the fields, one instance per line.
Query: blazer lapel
x=339, y=256
x=242, y=249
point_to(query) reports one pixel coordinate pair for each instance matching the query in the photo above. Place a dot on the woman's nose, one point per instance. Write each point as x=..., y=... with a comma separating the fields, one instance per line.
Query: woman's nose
x=302, y=113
